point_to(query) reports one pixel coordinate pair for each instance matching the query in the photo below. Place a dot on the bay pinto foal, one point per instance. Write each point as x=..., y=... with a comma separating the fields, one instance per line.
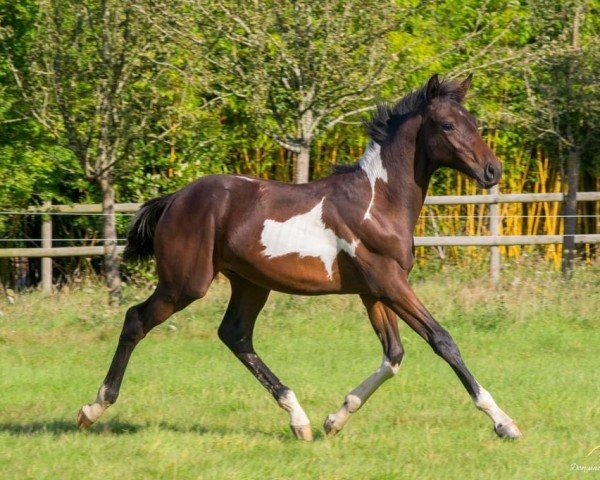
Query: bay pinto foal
x=351, y=232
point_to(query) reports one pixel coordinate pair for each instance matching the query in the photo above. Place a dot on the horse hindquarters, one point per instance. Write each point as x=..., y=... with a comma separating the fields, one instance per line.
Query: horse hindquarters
x=184, y=257
x=184, y=245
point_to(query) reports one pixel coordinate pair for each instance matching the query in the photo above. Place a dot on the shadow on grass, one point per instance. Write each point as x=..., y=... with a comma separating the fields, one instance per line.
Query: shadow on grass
x=115, y=427
x=219, y=430
x=57, y=427
x=198, y=429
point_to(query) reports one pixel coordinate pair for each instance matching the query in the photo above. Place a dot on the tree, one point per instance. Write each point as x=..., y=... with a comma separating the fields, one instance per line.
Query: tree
x=562, y=89
x=301, y=67
x=90, y=82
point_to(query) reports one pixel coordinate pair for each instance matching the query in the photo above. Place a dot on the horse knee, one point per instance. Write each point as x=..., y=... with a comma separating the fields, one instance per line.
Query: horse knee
x=443, y=344
x=395, y=356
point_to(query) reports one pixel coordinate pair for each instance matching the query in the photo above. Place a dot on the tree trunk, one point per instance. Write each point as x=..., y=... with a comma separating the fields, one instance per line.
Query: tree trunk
x=573, y=161
x=111, y=259
x=570, y=211
x=302, y=166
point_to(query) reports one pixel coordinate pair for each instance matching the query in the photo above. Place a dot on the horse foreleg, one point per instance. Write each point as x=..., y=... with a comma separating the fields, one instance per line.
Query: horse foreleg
x=385, y=324
x=236, y=329
x=139, y=320
x=407, y=305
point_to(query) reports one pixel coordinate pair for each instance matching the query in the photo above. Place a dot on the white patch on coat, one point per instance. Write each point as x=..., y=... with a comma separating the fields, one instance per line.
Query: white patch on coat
x=307, y=236
x=290, y=404
x=484, y=401
x=372, y=164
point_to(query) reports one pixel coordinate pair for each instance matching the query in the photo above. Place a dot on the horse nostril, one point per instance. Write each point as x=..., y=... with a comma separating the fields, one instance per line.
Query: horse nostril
x=489, y=172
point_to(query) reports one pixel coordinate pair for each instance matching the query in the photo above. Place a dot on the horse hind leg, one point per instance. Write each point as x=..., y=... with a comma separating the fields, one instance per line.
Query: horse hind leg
x=236, y=329
x=139, y=320
x=385, y=324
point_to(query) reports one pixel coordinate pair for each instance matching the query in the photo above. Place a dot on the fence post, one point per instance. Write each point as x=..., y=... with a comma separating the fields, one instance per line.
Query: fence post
x=495, y=231
x=47, y=243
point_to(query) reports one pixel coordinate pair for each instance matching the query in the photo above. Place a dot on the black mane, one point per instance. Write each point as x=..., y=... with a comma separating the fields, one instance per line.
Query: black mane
x=344, y=168
x=387, y=114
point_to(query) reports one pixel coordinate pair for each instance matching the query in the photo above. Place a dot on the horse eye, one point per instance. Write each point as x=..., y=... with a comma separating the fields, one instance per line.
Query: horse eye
x=447, y=127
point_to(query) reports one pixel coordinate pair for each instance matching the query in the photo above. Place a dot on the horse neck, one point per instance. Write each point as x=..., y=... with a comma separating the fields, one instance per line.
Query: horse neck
x=405, y=165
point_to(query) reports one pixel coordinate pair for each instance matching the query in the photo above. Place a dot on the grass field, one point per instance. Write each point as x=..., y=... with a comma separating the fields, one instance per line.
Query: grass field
x=188, y=409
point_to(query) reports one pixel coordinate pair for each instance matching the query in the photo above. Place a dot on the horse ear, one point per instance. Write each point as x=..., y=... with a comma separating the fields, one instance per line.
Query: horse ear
x=464, y=86
x=466, y=83
x=433, y=88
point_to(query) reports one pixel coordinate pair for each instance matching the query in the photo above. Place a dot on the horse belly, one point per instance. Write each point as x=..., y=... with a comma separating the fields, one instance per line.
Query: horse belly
x=292, y=273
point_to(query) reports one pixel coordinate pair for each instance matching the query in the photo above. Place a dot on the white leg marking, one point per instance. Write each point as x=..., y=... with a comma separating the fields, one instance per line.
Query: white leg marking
x=93, y=411
x=372, y=164
x=290, y=404
x=306, y=235
x=485, y=402
x=357, y=397
x=503, y=424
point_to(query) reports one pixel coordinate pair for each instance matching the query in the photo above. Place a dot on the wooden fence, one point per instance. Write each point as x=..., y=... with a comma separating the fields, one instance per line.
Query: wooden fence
x=494, y=240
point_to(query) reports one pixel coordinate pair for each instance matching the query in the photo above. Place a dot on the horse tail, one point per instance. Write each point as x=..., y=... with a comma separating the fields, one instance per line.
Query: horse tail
x=140, y=237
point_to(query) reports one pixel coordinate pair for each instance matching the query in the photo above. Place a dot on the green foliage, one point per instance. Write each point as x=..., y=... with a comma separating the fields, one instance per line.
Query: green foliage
x=197, y=126
x=561, y=83
x=215, y=84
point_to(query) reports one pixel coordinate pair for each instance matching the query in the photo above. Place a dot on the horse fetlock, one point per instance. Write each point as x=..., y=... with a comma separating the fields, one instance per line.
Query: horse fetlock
x=110, y=397
x=91, y=412
x=352, y=403
x=298, y=418
x=106, y=396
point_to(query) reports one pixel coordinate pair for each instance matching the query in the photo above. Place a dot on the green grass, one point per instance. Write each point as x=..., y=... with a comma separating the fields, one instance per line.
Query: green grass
x=189, y=409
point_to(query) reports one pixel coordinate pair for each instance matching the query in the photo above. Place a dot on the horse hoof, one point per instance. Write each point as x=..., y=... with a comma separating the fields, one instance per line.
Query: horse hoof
x=329, y=427
x=83, y=422
x=302, y=433
x=509, y=430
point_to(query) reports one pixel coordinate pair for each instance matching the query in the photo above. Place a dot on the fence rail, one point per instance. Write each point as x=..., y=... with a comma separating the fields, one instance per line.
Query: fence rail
x=88, y=251
x=83, y=208
x=454, y=241
x=497, y=198
x=500, y=240
x=494, y=198
x=494, y=240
